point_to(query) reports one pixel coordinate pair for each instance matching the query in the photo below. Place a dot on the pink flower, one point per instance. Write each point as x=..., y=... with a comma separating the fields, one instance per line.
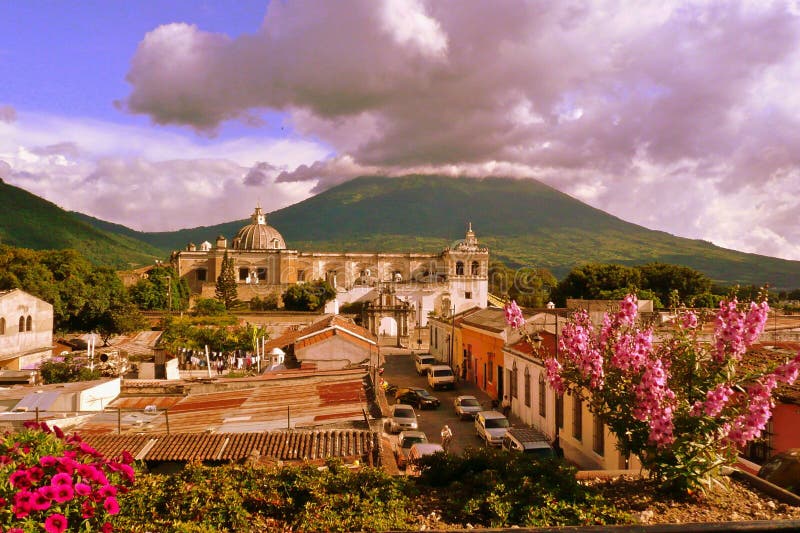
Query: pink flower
x=628, y=309
x=111, y=506
x=55, y=523
x=48, y=491
x=58, y=432
x=127, y=458
x=513, y=314
x=107, y=528
x=788, y=373
x=87, y=510
x=108, y=490
x=553, y=368
x=85, y=448
x=64, y=493
x=61, y=479
x=15, y=530
x=127, y=472
x=47, y=461
x=35, y=474
x=40, y=501
x=20, y=480
x=82, y=489
x=22, y=503
x=689, y=320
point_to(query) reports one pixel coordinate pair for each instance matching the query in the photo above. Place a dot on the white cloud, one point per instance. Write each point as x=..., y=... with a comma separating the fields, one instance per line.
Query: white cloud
x=148, y=179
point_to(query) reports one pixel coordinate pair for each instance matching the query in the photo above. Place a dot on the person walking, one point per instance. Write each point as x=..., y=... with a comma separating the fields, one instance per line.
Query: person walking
x=447, y=436
x=506, y=406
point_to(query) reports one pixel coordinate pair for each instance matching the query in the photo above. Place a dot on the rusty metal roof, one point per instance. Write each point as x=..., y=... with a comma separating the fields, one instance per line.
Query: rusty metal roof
x=301, y=400
x=277, y=445
x=330, y=321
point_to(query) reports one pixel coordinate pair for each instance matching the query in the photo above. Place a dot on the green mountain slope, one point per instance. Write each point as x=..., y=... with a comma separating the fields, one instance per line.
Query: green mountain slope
x=28, y=221
x=524, y=222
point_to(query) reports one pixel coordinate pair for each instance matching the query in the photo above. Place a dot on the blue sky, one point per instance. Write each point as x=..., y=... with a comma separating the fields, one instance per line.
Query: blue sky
x=171, y=114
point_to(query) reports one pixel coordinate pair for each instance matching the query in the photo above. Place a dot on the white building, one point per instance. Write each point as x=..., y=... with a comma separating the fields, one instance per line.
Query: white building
x=26, y=330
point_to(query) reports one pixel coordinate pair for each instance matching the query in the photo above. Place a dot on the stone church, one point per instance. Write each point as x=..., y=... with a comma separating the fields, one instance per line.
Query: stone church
x=454, y=279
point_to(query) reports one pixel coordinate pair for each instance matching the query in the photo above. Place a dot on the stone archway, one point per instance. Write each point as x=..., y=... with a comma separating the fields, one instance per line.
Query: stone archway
x=388, y=326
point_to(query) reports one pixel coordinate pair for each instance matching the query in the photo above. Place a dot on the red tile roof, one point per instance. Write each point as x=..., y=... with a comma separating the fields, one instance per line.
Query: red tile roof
x=278, y=445
x=330, y=321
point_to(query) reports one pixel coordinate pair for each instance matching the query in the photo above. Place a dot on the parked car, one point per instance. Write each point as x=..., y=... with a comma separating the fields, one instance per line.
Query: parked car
x=416, y=396
x=467, y=406
x=404, y=443
x=422, y=362
x=402, y=418
x=418, y=451
x=441, y=377
x=491, y=427
x=528, y=441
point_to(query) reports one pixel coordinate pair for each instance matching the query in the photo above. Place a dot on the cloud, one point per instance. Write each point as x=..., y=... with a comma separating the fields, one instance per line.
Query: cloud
x=147, y=179
x=7, y=113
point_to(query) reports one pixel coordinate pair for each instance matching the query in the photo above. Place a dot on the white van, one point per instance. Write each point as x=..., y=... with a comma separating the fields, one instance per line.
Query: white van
x=441, y=377
x=422, y=362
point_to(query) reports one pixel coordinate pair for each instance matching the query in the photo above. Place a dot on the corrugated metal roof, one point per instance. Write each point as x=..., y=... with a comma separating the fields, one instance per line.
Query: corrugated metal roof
x=259, y=405
x=278, y=445
x=290, y=337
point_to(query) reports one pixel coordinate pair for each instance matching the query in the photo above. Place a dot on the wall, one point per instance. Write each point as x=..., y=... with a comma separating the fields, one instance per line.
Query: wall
x=19, y=349
x=98, y=397
x=785, y=427
x=334, y=352
x=482, y=344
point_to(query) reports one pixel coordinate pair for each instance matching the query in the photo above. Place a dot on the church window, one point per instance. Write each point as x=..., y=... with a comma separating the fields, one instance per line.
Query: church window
x=301, y=275
x=29, y=323
x=21, y=324
x=475, y=268
x=2, y=326
x=468, y=295
x=275, y=243
x=490, y=375
x=599, y=441
x=244, y=273
x=262, y=274
x=202, y=274
x=459, y=268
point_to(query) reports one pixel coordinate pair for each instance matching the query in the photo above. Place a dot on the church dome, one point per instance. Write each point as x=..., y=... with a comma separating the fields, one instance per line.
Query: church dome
x=258, y=235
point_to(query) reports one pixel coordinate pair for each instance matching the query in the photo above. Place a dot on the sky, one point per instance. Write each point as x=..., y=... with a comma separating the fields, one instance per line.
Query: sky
x=160, y=115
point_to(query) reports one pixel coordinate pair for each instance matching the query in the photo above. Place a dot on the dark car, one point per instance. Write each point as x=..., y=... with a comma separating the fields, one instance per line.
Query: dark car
x=420, y=398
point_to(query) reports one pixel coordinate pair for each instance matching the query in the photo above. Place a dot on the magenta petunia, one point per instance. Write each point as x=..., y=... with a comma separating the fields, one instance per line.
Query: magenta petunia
x=82, y=489
x=64, y=493
x=55, y=523
x=40, y=501
x=127, y=458
x=61, y=479
x=111, y=506
x=108, y=490
x=35, y=474
x=47, y=461
x=58, y=432
x=20, y=480
x=107, y=528
x=87, y=510
x=48, y=491
x=85, y=448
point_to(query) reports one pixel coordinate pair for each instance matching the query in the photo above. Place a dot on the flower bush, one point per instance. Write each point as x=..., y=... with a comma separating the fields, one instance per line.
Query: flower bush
x=685, y=407
x=52, y=482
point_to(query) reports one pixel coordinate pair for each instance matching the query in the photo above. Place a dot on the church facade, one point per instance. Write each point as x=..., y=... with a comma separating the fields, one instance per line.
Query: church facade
x=455, y=278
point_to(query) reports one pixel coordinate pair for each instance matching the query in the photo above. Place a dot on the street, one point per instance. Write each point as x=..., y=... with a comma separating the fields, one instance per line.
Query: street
x=399, y=370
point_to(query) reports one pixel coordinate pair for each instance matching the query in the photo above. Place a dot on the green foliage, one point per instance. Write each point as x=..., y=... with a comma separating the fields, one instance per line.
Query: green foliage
x=69, y=370
x=162, y=290
x=310, y=296
x=528, y=286
x=33, y=222
x=499, y=489
x=120, y=319
x=597, y=281
x=226, y=291
x=258, y=498
x=663, y=279
x=80, y=292
x=268, y=303
x=219, y=333
x=209, y=307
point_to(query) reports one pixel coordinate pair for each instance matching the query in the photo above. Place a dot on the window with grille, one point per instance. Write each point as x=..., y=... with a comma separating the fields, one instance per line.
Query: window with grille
x=29, y=324
x=490, y=375
x=244, y=273
x=262, y=274
x=527, y=387
x=599, y=440
x=542, y=395
x=560, y=412
x=202, y=274
x=2, y=326
x=459, y=268
x=514, y=378
x=577, y=417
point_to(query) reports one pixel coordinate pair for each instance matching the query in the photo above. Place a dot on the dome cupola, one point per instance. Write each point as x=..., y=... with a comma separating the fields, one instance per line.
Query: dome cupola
x=258, y=235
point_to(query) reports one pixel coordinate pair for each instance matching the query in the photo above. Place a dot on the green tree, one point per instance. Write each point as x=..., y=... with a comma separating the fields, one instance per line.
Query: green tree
x=120, y=319
x=209, y=307
x=663, y=278
x=596, y=281
x=226, y=283
x=528, y=286
x=308, y=296
x=162, y=289
x=69, y=370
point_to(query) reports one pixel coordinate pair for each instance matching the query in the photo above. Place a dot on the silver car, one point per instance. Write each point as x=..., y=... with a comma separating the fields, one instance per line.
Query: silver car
x=402, y=418
x=467, y=406
x=491, y=427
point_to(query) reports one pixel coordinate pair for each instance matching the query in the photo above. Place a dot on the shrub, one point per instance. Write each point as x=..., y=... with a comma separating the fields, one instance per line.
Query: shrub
x=58, y=483
x=499, y=489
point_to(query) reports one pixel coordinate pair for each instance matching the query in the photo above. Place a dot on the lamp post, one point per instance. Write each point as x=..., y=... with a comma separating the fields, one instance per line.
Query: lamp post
x=451, y=355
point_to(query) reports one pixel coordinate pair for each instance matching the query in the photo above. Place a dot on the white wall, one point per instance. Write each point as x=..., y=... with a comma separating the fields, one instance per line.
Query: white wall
x=333, y=353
